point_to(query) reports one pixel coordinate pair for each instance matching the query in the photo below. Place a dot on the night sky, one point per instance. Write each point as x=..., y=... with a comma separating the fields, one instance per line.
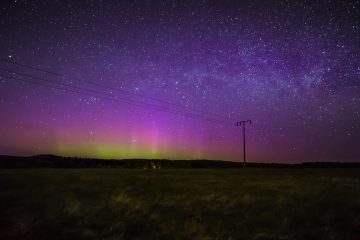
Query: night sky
x=170, y=79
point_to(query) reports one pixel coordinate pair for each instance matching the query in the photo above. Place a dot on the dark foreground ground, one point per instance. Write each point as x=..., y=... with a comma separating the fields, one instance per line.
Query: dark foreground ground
x=180, y=204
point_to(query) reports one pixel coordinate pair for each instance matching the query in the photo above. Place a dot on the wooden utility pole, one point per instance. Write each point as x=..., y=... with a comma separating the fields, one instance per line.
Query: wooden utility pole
x=242, y=123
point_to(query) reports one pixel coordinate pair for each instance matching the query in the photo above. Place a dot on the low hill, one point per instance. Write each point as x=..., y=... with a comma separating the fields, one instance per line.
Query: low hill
x=53, y=161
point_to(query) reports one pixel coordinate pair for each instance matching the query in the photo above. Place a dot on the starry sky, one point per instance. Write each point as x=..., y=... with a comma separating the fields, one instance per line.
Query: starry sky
x=170, y=79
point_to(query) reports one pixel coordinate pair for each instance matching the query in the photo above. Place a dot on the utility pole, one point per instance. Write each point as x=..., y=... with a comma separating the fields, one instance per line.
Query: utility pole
x=242, y=123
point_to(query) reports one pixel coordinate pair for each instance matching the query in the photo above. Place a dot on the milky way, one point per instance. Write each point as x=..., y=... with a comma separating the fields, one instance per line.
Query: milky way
x=158, y=74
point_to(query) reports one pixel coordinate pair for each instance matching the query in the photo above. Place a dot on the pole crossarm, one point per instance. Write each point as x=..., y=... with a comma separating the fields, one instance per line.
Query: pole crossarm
x=243, y=122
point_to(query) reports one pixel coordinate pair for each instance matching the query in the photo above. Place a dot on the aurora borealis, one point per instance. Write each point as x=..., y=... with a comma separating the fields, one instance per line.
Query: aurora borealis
x=292, y=67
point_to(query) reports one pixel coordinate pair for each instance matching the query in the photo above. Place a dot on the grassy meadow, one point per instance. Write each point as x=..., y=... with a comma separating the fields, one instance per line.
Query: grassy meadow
x=179, y=204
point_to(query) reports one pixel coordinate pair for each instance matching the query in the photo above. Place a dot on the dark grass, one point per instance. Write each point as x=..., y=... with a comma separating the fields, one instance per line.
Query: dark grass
x=180, y=204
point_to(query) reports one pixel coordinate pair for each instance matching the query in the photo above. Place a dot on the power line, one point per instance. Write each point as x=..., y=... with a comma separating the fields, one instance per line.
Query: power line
x=79, y=90
x=190, y=115
x=70, y=88
x=115, y=89
x=97, y=96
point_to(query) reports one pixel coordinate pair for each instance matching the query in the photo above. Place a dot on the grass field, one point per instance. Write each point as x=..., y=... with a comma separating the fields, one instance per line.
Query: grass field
x=180, y=204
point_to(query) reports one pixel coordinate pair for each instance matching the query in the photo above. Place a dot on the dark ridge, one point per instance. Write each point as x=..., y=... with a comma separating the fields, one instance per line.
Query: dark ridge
x=53, y=161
